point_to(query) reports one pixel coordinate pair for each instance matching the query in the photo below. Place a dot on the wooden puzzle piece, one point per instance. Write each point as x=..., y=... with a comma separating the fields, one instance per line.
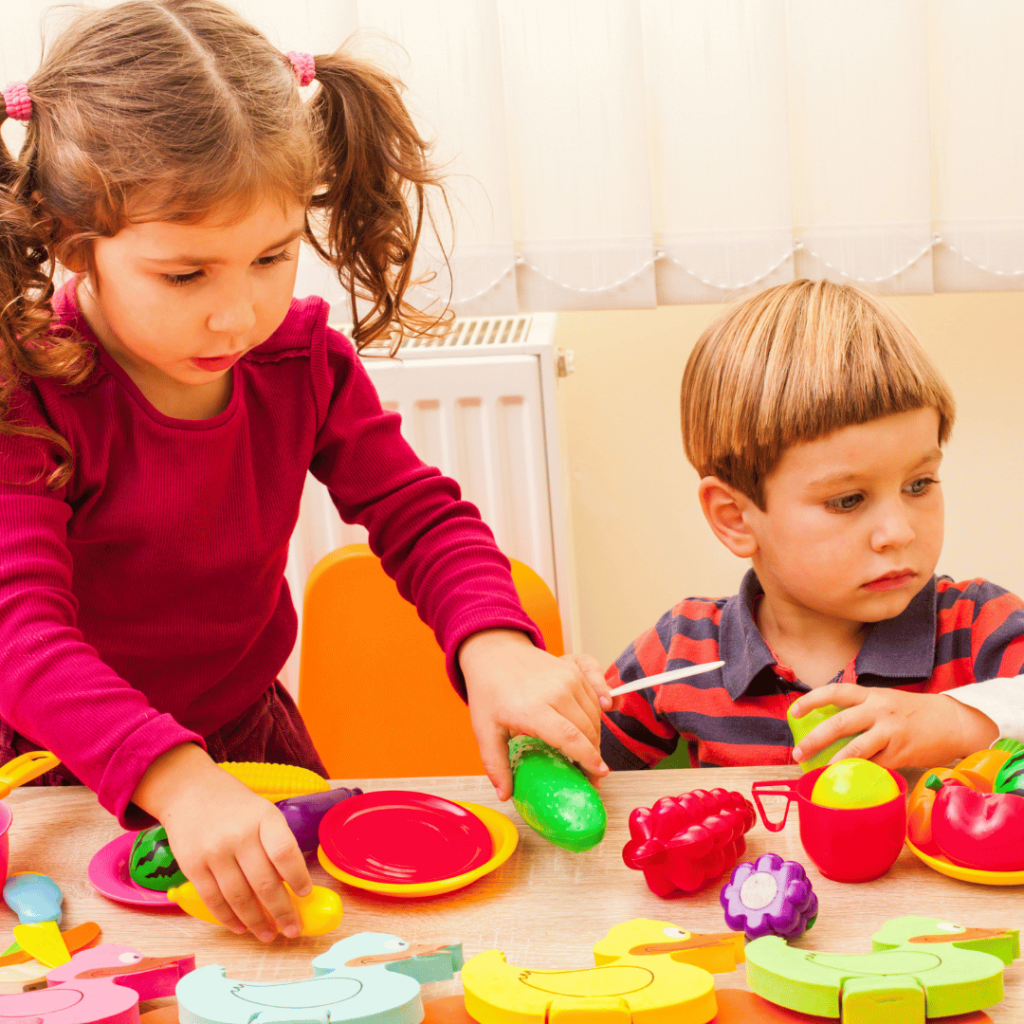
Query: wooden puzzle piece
x=98, y=986
x=920, y=965
x=644, y=968
x=370, y=977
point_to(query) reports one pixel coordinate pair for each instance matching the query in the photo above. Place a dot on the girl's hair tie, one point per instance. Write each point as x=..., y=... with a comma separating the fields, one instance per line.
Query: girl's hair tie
x=304, y=66
x=17, y=101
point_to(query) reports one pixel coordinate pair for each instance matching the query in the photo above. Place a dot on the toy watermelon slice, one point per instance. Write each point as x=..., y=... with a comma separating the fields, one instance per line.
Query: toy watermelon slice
x=151, y=863
x=1011, y=776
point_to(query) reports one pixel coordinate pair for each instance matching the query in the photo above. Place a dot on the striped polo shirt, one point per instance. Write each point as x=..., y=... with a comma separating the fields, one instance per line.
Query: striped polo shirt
x=951, y=634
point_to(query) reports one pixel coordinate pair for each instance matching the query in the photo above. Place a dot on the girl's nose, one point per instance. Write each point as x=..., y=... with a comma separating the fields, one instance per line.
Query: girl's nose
x=234, y=314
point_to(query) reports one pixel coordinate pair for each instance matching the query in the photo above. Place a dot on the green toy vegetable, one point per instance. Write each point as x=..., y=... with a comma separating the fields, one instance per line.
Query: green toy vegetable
x=151, y=863
x=554, y=797
x=1013, y=746
x=1010, y=778
x=979, y=830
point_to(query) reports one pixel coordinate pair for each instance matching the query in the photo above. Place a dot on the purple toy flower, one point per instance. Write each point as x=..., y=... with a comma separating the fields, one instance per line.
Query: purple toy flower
x=770, y=896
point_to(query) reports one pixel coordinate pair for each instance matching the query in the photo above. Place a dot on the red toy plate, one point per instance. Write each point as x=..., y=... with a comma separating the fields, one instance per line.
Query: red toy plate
x=108, y=872
x=399, y=836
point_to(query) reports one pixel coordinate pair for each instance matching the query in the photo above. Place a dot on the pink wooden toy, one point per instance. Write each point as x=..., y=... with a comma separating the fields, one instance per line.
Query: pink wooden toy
x=102, y=985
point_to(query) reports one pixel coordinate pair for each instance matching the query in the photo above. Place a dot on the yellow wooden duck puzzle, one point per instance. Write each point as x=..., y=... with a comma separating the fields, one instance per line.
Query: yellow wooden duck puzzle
x=647, y=972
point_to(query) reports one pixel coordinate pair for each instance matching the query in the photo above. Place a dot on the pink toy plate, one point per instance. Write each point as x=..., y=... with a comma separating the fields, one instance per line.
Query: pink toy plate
x=398, y=836
x=108, y=873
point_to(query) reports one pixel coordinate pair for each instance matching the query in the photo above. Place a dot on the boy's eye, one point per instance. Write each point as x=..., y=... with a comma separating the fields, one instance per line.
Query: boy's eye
x=846, y=503
x=922, y=485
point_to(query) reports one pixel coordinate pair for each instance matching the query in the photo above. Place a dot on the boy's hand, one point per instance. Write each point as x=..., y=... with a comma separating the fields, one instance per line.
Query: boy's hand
x=514, y=687
x=899, y=729
x=233, y=845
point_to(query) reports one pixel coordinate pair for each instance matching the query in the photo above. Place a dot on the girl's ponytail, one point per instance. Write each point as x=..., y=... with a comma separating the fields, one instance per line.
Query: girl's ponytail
x=27, y=241
x=372, y=203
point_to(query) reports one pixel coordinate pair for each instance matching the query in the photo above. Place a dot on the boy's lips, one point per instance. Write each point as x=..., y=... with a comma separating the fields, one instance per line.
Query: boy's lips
x=891, y=580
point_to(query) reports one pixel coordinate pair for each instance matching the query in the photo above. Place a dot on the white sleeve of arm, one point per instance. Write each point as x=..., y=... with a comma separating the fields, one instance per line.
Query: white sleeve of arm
x=1001, y=699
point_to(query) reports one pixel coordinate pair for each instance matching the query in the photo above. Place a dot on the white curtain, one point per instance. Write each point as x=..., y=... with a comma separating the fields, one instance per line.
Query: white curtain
x=623, y=153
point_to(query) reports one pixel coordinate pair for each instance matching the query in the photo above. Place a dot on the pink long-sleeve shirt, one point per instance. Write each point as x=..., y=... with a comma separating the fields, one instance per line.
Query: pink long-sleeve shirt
x=144, y=604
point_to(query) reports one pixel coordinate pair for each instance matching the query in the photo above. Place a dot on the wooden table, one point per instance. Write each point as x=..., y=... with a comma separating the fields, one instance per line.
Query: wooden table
x=545, y=908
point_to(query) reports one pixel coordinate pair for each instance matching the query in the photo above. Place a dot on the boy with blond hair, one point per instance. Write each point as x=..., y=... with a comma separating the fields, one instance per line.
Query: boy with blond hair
x=816, y=422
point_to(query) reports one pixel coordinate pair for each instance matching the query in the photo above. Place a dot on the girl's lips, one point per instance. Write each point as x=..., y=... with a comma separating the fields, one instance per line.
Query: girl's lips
x=212, y=365
x=891, y=581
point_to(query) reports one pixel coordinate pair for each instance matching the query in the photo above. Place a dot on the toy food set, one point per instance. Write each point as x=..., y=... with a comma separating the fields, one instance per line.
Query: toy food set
x=645, y=970
x=801, y=726
x=371, y=978
x=554, y=797
x=37, y=900
x=847, y=843
x=276, y=781
x=968, y=821
x=319, y=911
x=919, y=967
x=769, y=896
x=684, y=841
x=408, y=844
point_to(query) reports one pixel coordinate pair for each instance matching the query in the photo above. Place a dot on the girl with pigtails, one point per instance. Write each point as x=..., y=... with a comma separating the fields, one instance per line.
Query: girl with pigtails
x=159, y=412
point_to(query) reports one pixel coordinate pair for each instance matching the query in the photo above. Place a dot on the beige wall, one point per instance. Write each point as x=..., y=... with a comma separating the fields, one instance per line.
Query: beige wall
x=639, y=539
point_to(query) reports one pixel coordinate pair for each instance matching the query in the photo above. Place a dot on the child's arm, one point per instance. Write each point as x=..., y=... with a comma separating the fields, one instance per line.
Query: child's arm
x=233, y=845
x=898, y=729
x=514, y=687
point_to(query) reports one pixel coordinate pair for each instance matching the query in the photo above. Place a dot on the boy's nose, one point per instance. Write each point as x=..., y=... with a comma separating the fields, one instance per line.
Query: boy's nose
x=893, y=528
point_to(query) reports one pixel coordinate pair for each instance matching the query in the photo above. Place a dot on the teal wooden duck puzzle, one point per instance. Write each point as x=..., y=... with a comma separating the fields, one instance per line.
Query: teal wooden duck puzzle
x=372, y=978
x=918, y=967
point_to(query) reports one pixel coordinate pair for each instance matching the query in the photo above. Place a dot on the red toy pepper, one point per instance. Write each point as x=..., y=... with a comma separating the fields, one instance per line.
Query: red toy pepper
x=682, y=841
x=979, y=830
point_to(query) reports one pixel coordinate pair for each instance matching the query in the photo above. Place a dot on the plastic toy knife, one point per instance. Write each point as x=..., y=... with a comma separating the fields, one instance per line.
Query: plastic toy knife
x=37, y=899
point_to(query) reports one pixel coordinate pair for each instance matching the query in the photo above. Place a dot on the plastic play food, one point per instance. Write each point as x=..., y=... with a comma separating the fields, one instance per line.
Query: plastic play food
x=399, y=836
x=847, y=844
x=304, y=813
x=276, y=781
x=683, y=841
x=770, y=896
x=978, y=830
x=504, y=839
x=108, y=875
x=1010, y=777
x=554, y=797
x=854, y=782
x=920, y=804
x=320, y=911
x=801, y=726
x=25, y=768
x=37, y=900
x=1009, y=745
x=980, y=769
x=151, y=863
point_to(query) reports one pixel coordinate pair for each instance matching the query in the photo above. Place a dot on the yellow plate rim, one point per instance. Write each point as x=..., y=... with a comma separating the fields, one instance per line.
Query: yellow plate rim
x=503, y=834
x=947, y=867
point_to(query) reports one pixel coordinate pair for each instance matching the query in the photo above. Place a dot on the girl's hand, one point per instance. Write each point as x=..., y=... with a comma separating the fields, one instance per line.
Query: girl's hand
x=899, y=729
x=514, y=687
x=233, y=845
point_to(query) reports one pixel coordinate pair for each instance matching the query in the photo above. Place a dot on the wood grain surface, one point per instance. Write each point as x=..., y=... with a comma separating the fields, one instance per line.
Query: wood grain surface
x=545, y=908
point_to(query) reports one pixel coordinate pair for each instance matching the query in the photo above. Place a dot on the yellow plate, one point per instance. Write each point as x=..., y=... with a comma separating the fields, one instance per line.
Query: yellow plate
x=947, y=867
x=503, y=835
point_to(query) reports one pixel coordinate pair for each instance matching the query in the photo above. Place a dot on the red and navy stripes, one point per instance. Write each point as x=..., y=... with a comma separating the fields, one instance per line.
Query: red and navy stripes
x=950, y=635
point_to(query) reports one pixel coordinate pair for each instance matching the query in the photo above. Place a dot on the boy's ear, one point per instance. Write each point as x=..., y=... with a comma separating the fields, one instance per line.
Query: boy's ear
x=724, y=508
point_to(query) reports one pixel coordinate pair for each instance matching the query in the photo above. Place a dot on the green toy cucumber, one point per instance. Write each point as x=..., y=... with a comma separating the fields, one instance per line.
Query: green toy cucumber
x=151, y=863
x=1013, y=746
x=554, y=797
x=1010, y=778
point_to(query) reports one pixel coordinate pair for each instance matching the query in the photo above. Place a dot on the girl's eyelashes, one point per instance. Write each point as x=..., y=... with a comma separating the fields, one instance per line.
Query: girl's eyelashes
x=262, y=262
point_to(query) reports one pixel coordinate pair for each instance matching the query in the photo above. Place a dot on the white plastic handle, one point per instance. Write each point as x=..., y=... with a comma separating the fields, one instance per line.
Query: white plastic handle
x=667, y=677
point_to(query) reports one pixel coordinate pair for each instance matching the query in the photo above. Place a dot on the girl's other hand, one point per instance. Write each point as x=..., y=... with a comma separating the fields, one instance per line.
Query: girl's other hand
x=514, y=687
x=233, y=845
x=898, y=729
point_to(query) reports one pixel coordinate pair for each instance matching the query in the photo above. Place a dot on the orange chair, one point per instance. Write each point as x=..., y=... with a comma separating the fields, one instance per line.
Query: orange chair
x=373, y=689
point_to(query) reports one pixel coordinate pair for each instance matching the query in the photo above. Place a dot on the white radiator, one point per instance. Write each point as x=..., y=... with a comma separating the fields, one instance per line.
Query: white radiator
x=481, y=406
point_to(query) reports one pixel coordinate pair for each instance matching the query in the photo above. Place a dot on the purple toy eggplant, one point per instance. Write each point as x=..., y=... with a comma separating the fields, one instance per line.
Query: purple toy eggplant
x=303, y=813
x=770, y=896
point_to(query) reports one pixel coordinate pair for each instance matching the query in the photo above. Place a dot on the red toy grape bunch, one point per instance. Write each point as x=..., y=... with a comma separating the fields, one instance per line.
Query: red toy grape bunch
x=683, y=841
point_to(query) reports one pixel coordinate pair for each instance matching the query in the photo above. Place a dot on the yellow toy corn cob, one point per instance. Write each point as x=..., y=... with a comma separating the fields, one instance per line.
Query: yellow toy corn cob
x=276, y=781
